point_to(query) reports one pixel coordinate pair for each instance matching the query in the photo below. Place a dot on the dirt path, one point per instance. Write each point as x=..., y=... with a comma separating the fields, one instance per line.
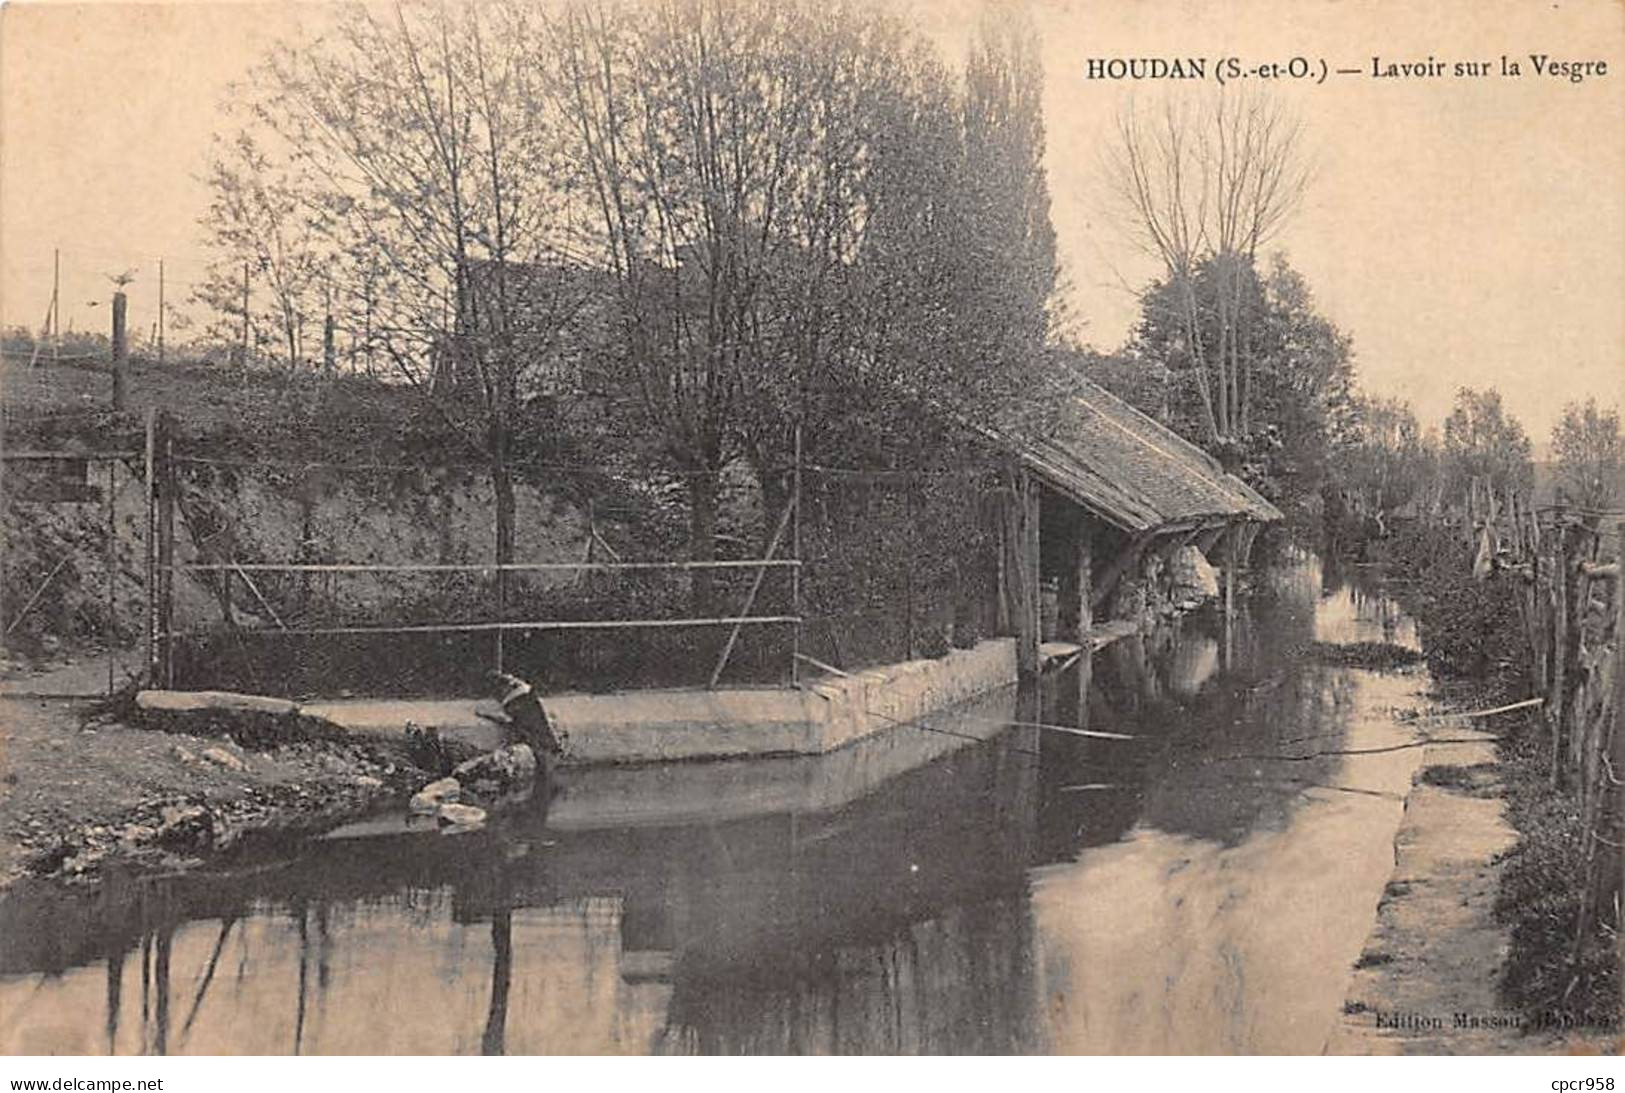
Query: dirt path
x=1426, y=983
x=85, y=677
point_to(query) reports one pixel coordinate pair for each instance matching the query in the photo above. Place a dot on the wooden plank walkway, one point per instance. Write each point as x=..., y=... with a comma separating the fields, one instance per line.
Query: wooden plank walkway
x=1053, y=652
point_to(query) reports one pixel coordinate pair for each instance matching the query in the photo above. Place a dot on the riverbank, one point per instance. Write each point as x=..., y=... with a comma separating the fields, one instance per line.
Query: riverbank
x=80, y=791
x=1473, y=919
x=166, y=778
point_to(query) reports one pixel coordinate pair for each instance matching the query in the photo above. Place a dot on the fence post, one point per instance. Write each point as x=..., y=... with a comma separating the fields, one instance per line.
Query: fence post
x=150, y=637
x=167, y=485
x=908, y=565
x=1560, y=635
x=1608, y=892
x=501, y=590
x=1575, y=727
x=750, y=597
x=109, y=555
x=4, y=551
x=121, y=349
x=1604, y=893
x=795, y=573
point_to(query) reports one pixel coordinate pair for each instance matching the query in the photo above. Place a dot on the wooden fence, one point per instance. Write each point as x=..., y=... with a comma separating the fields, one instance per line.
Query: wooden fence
x=1573, y=616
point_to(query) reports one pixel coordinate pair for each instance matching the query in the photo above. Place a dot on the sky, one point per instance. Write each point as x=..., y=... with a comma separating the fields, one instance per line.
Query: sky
x=1464, y=231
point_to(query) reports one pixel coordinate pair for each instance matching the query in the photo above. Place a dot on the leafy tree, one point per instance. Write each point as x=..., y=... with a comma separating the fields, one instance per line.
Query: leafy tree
x=1482, y=443
x=807, y=225
x=1010, y=262
x=1141, y=381
x=1586, y=445
x=1385, y=462
x=1300, y=369
x=1301, y=390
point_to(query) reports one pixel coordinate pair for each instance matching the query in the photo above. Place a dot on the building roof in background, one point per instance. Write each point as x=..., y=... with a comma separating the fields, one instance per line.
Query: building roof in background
x=1127, y=468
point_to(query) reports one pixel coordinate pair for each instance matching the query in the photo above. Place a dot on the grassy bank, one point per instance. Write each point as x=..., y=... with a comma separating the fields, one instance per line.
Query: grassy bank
x=1541, y=888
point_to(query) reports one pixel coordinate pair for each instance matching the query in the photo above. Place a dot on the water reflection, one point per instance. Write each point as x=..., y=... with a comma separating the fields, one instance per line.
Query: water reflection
x=955, y=887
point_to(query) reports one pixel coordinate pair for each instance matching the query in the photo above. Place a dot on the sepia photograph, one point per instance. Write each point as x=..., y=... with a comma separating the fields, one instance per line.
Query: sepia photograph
x=810, y=528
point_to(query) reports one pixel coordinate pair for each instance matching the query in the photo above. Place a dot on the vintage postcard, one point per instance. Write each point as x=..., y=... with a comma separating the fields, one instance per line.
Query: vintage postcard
x=811, y=527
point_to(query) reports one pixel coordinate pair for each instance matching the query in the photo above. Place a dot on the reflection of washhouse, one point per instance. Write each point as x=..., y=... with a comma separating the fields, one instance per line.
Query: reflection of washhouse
x=702, y=934
x=1191, y=710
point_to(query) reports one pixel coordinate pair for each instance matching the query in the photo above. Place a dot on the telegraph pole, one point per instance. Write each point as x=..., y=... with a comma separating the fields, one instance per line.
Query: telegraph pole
x=160, y=313
x=56, y=303
x=245, y=314
x=121, y=349
x=329, y=345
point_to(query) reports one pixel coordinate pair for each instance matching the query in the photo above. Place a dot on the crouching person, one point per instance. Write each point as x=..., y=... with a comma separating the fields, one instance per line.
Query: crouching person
x=528, y=720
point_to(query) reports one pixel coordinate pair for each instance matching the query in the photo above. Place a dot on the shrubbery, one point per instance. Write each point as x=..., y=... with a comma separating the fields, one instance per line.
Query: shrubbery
x=1469, y=627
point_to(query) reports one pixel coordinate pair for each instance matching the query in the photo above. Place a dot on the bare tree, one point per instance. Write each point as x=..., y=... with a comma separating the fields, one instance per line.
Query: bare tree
x=425, y=170
x=261, y=233
x=1211, y=184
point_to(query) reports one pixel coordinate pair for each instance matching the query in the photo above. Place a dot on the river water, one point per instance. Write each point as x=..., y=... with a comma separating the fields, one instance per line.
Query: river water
x=964, y=885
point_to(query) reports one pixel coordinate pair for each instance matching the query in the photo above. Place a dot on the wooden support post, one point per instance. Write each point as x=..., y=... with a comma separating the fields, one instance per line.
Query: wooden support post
x=150, y=636
x=1018, y=535
x=1574, y=711
x=1085, y=671
x=167, y=484
x=750, y=598
x=1003, y=621
x=109, y=557
x=121, y=350
x=1031, y=570
x=1076, y=617
x=1231, y=553
x=1537, y=607
x=498, y=650
x=1086, y=579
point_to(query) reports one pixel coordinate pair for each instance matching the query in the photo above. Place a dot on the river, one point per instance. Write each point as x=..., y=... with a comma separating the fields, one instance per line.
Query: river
x=975, y=883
